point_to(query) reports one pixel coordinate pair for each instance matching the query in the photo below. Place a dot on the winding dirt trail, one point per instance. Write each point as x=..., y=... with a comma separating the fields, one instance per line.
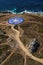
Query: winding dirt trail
x=24, y=48
x=16, y=36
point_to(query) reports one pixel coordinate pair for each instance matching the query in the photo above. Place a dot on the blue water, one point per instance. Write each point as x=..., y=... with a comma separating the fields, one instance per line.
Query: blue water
x=21, y=5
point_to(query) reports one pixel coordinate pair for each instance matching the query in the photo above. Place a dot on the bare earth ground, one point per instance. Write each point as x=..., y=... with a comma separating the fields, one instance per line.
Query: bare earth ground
x=33, y=28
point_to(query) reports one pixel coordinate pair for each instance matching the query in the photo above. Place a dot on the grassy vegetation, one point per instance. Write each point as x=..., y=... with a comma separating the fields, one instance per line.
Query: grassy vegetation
x=32, y=62
x=41, y=29
x=16, y=59
x=3, y=38
x=2, y=31
x=41, y=55
x=16, y=27
x=24, y=39
x=37, y=18
x=0, y=51
x=4, y=48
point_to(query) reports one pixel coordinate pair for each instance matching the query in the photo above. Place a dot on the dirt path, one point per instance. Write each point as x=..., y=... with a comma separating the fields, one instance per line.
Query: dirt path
x=16, y=36
x=24, y=48
x=8, y=57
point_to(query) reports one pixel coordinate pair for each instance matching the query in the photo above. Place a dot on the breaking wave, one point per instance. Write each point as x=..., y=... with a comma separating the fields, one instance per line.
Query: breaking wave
x=14, y=11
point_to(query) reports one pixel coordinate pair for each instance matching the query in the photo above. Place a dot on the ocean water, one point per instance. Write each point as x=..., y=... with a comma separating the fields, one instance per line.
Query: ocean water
x=18, y=6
